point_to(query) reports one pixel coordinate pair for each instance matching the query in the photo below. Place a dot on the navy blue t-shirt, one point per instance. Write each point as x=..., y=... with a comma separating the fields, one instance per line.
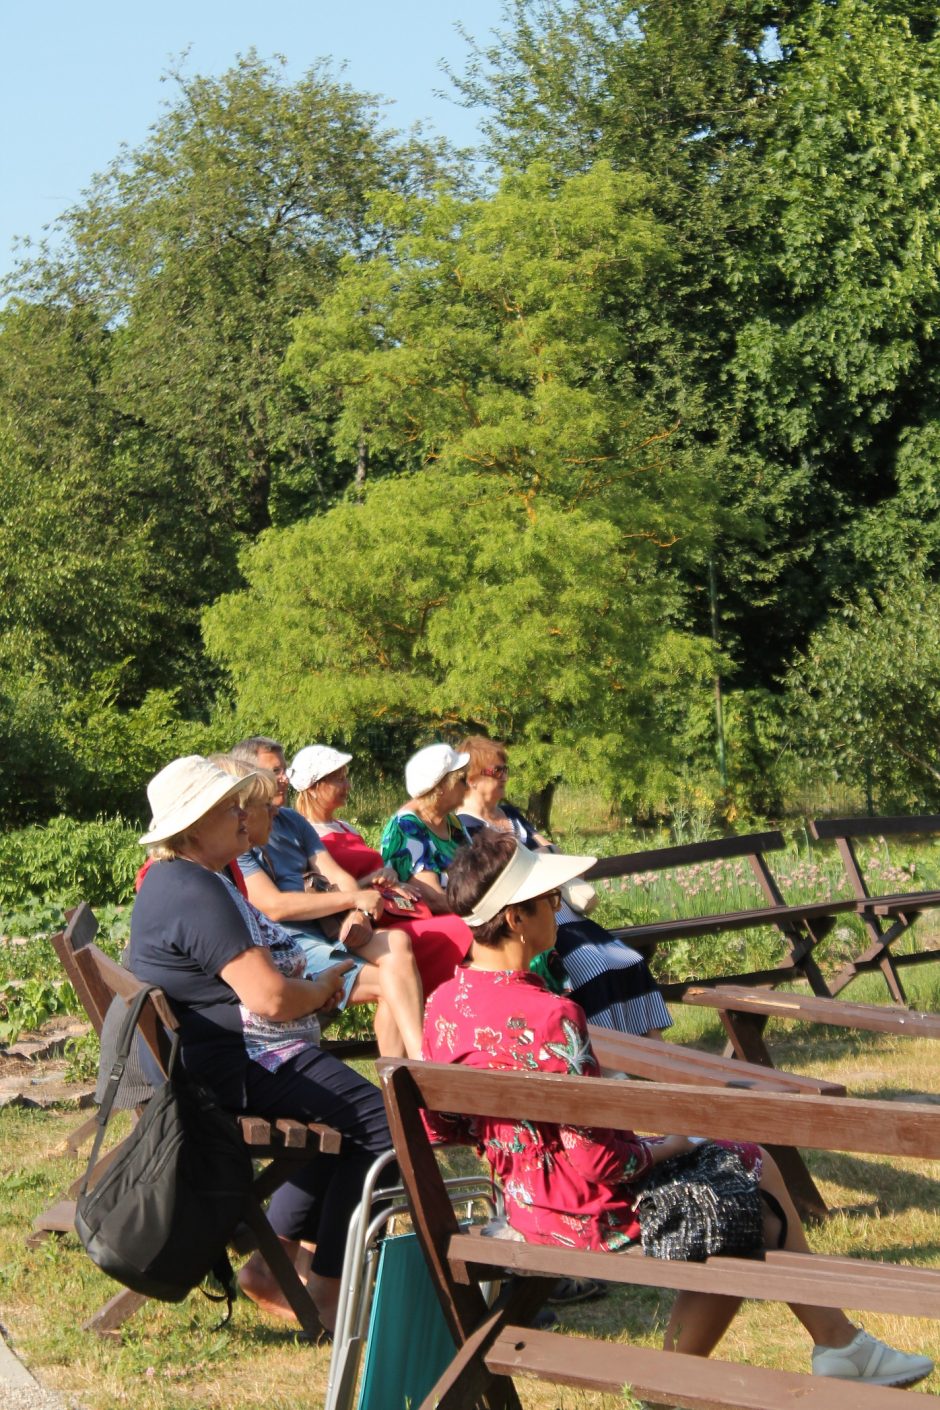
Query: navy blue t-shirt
x=185, y=928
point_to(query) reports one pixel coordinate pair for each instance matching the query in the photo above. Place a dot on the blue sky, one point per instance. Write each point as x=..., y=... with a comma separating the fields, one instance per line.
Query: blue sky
x=80, y=79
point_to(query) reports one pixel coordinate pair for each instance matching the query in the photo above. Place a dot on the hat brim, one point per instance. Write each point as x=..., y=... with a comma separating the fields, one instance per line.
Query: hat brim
x=527, y=875
x=186, y=814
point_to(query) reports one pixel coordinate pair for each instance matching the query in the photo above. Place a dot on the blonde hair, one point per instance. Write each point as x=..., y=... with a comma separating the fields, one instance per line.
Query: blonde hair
x=260, y=789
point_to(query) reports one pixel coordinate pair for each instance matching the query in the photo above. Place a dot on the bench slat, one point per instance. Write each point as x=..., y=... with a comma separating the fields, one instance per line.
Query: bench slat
x=780, y=1118
x=775, y=1276
x=689, y=1381
x=664, y=1061
x=874, y=1018
x=665, y=858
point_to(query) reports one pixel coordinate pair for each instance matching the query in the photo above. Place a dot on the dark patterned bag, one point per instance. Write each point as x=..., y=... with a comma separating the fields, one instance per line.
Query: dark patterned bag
x=700, y=1203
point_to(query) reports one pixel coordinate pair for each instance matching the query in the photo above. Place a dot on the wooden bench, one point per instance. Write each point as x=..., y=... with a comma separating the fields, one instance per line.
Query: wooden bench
x=801, y=926
x=744, y=1014
x=277, y=1145
x=671, y=1062
x=885, y=918
x=494, y=1346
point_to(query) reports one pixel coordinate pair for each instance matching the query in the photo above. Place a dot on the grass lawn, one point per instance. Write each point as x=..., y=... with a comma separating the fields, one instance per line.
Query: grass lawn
x=171, y=1356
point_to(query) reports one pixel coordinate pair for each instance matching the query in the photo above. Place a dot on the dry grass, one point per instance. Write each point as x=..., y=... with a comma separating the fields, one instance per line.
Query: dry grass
x=172, y=1358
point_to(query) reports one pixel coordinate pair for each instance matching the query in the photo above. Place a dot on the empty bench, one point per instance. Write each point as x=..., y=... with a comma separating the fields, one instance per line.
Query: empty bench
x=801, y=926
x=886, y=918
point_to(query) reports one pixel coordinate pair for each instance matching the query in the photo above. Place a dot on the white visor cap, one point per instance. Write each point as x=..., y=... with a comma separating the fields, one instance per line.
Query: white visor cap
x=525, y=876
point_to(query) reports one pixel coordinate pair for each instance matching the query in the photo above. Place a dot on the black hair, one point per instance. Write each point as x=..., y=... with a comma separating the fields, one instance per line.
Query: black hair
x=472, y=873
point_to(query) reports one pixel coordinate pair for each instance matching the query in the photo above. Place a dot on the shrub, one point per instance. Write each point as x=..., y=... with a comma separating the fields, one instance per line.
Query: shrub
x=69, y=861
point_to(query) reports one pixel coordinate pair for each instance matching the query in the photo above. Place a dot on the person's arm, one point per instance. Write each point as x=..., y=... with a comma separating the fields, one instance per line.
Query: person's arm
x=287, y=906
x=262, y=988
x=327, y=865
x=429, y=888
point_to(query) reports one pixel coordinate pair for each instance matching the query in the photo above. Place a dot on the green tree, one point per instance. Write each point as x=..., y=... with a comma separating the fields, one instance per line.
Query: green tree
x=866, y=694
x=834, y=376
x=521, y=576
x=440, y=604
x=490, y=337
x=788, y=151
x=145, y=431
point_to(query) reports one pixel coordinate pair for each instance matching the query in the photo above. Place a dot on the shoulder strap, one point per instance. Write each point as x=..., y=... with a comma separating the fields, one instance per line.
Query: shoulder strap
x=125, y=1038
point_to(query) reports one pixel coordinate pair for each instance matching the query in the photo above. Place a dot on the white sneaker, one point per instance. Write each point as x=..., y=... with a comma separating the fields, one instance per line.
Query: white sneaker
x=867, y=1359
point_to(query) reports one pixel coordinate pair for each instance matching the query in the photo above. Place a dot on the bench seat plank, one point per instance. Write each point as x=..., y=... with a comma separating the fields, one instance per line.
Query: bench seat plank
x=688, y=1381
x=669, y=1062
x=874, y=1018
x=683, y=927
x=775, y=1276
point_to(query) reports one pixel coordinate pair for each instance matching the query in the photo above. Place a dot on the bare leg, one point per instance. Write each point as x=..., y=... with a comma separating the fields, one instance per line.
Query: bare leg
x=392, y=976
x=389, y=1039
x=258, y=1283
x=699, y=1320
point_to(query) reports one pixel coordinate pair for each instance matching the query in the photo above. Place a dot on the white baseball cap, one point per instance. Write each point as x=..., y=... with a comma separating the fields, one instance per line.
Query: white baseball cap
x=184, y=792
x=314, y=762
x=525, y=876
x=426, y=768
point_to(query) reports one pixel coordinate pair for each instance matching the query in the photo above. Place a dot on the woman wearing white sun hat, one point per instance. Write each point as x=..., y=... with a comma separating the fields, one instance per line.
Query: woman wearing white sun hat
x=439, y=941
x=420, y=840
x=247, y=1017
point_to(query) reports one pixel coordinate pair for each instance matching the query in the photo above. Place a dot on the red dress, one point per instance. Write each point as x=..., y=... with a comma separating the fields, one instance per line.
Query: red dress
x=570, y=1185
x=440, y=943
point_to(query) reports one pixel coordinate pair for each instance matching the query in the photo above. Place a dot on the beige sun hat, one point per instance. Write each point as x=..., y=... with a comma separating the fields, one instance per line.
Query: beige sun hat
x=184, y=792
x=525, y=876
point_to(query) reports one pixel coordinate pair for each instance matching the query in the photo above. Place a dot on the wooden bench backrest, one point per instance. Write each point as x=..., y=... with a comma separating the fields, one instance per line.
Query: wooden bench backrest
x=830, y=828
x=751, y=845
x=80, y=930
x=105, y=979
x=663, y=858
x=820, y=1123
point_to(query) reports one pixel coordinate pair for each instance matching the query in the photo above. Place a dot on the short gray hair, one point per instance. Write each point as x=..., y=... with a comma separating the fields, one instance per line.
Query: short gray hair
x=247, y=750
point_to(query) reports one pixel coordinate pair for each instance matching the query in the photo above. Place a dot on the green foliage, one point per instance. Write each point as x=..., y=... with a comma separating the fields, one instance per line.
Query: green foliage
x=70, y=861
x=451, y=608
x=145, y=430
x=866, y=695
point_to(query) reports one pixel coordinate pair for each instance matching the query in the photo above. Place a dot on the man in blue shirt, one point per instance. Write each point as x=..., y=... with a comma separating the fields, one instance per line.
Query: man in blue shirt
x=274, y=876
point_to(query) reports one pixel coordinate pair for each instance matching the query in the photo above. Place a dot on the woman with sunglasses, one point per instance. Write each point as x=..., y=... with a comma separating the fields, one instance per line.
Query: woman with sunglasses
x=611, y=982
x=573, y=1186
x=439, y=941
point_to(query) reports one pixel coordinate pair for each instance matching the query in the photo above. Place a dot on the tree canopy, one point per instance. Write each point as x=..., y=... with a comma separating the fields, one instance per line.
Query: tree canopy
x=649, y=402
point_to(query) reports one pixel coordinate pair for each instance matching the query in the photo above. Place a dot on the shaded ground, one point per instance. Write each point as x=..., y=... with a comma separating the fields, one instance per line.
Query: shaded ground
x=32, y=1070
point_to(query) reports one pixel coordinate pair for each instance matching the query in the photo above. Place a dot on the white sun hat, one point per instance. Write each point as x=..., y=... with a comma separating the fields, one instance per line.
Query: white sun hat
x=184, y=792
x=314, y=762
x=525, y=876
x=426, y=768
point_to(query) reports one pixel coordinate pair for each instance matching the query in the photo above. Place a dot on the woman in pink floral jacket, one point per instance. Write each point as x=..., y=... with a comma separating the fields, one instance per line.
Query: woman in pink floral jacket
x=578, y=1186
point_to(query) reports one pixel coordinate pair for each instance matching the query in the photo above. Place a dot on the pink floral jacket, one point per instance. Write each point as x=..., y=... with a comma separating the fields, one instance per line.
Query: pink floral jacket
x=566, y=1185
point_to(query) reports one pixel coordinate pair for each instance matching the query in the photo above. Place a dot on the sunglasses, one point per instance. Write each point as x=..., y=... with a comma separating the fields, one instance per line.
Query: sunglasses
x=553, y=898
x=496, y=771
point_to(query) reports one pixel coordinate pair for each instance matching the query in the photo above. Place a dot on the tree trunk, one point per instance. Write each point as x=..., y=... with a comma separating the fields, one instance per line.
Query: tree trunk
x=362, y=466
x=539, y=807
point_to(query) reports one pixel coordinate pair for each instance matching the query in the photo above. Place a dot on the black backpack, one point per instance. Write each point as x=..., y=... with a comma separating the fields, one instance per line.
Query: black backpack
x=159, y=1218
